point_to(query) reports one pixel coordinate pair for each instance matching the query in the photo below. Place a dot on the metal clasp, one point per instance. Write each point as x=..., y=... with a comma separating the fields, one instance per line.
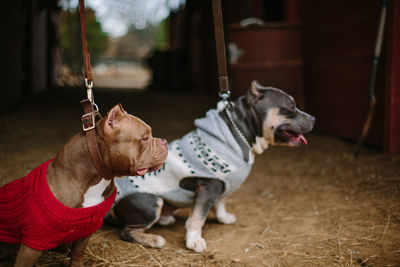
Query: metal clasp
x=89, y=92
x=90, y=96
x=225, y=99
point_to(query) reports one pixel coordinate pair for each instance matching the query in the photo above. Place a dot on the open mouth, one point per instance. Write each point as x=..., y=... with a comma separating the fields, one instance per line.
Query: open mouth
x=284, y=134
x=143, y=171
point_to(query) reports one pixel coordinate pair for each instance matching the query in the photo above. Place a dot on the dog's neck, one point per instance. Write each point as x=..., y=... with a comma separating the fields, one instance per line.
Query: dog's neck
x=72, y=174
x=246, y=119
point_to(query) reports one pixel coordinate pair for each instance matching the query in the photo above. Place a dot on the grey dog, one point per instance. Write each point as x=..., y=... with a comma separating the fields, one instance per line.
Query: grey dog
x=207, y=165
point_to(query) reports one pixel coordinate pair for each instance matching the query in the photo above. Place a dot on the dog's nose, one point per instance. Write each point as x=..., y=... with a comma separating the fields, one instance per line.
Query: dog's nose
x=312, y=119
x=163, y=142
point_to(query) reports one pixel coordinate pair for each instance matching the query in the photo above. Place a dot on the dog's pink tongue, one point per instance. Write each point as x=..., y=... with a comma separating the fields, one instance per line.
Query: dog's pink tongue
x=303, y=139
x=141, y=172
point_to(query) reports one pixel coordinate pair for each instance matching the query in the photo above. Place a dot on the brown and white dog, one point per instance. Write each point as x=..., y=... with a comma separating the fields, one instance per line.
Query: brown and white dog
x=35, y=210
x=207, y=165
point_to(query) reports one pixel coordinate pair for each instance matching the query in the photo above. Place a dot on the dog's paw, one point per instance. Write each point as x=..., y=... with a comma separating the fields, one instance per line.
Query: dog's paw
x=195, y=242
x=227, y=218
x=149, y=240
x=154, y=241
x=166, y=220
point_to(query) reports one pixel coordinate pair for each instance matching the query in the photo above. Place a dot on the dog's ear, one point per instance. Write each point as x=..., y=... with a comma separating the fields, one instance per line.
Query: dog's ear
x=253, y=94
x=122, y=109
x=113, y=117
x=254, y=87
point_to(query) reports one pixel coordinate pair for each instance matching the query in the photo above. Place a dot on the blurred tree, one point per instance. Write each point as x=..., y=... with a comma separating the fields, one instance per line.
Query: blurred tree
x=162, y=35
x=97, y=38
x=71, y=38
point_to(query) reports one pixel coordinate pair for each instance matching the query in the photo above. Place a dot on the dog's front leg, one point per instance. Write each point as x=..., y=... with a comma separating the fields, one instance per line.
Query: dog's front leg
x=222, y=215
x=77, y=251
x=27, y=256
x=207, y=192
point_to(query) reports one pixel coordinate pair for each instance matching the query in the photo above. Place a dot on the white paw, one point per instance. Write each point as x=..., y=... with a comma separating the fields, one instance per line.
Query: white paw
x=195, y=242
x=228, y=218
x=166, y=220
x=154, y=241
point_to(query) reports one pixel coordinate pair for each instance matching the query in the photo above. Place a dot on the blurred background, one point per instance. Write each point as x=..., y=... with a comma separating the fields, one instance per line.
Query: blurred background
x=321, y=52
x=315, y=205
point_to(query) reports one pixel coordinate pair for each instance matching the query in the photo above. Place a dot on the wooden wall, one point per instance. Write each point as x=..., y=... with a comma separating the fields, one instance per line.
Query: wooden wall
x=27, y=65
x=339, y=39
x=13, y=19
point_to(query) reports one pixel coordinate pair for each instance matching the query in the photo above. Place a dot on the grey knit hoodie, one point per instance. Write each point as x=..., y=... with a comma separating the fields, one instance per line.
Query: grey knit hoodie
x=210, y=151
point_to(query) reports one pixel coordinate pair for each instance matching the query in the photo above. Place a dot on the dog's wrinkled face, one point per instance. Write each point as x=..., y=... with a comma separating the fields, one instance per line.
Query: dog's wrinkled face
x=282, y=122
x=130, y=146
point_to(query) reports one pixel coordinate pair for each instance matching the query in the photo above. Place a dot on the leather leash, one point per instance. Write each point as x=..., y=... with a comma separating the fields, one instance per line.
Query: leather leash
x=85, y=51
x=224, y=91
x=223, y=81
x=90, y=115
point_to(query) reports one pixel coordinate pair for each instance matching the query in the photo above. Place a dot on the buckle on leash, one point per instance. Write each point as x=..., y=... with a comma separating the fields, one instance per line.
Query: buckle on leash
x=88, y=122
x=89, y=118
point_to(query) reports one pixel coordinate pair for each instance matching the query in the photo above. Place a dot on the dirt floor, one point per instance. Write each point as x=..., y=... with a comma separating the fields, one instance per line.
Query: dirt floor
x=307, y=206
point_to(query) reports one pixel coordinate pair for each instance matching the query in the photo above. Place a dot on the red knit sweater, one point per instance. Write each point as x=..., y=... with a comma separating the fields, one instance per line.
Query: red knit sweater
x=31, y=214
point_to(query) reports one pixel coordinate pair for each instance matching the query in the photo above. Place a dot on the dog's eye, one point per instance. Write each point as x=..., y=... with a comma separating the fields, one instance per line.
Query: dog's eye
x=287, y=112
x=292, y=107
x=289, y=109
x=145, y=139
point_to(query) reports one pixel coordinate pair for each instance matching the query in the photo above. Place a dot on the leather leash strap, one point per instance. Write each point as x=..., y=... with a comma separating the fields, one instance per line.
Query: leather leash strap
x=90, y=115
x=89, y=127
x=220, y=46
x=85, y=50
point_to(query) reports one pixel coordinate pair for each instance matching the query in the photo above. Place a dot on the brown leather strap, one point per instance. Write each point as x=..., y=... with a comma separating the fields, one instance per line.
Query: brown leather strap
x=220, y=46
x=89, y=114
x=85, y=50
x=89, y=127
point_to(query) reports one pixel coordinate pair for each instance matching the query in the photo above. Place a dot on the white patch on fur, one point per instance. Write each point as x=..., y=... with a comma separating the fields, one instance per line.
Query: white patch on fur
x=251, y=157
x=195, y=242
x=150, y=240
x=260, y=145
x=159, y=241
x=166, y=220
x=222, y=215
x=94, y=195
x=193, y=226
x=271, y=123
x=273, y=119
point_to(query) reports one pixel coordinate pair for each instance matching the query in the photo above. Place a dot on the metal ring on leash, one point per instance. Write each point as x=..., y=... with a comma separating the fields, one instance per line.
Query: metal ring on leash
x=96, y=107
x=225, y=98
